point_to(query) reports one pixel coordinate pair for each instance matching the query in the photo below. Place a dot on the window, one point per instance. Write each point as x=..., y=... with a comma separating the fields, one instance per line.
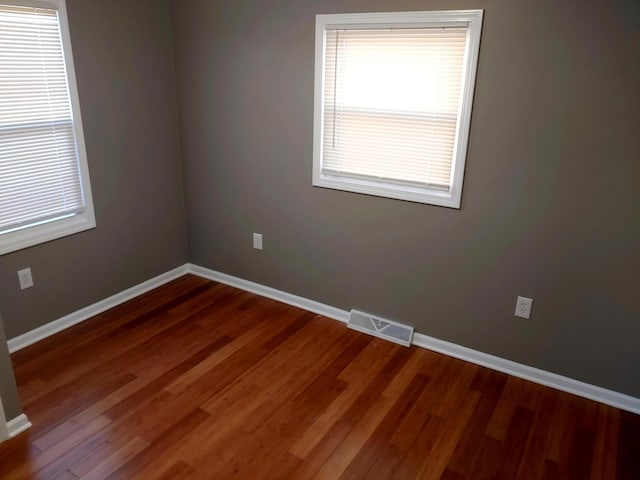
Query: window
x=44, y=180
x=393, y=100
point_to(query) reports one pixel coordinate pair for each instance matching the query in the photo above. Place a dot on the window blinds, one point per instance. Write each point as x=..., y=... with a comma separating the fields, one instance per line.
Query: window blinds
x=391, y=104
x=39, y=169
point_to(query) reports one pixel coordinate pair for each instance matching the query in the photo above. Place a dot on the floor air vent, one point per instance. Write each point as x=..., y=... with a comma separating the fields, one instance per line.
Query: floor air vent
x=379, y=327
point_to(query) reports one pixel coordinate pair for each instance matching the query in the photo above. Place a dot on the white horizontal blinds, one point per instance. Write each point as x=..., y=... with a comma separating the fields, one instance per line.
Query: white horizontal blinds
x=39, y=170
x=391, y=104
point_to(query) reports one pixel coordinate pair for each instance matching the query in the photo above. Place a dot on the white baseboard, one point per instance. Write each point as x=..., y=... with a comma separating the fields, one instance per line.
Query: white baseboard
x=559, y=382
x=264, y=291
x=18, y=425
x=40, y=333
x=536, y=375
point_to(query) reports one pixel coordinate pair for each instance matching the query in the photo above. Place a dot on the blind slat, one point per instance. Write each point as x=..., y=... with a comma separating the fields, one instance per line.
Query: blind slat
x=391, y=103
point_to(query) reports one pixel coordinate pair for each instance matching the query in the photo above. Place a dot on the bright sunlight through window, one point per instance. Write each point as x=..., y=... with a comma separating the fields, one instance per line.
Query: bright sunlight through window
x=393, y=103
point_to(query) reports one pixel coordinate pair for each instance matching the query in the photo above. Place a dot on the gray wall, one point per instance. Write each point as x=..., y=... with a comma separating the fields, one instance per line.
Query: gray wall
x=8, y=391
x=124, y=66
x=551, y=200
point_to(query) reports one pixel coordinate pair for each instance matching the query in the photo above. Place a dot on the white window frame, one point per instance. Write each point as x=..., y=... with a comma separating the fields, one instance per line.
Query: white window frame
x=40, y=232
x=472, y=19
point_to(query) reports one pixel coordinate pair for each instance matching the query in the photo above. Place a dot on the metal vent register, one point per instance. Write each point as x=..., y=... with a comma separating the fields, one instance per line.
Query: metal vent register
x=380, y=327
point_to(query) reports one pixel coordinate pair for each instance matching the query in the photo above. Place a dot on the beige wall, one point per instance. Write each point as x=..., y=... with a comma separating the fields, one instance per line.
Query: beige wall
x=551, y=200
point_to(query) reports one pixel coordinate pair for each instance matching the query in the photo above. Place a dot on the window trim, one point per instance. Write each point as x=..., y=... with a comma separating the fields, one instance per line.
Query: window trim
x=52, y=229
x=470, y=18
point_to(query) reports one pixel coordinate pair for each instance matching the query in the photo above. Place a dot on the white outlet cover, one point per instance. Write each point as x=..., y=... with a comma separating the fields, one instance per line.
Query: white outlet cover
x=257, y=241
x=523, y=307
x=25, y=278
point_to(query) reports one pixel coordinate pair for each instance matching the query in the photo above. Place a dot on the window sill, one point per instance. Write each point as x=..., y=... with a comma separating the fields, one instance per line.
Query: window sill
x=52, y=230
x=388, y=190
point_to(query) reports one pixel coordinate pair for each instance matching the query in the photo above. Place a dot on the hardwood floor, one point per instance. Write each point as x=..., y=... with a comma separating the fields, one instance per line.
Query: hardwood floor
x=200, y=380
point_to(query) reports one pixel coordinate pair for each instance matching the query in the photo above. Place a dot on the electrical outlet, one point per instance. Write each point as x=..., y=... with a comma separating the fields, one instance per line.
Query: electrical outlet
x=523, y=307
x=257, y=241
x=25, y=278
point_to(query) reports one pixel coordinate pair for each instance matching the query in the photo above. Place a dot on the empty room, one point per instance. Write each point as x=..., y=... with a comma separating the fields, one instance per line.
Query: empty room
x=319, y=239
